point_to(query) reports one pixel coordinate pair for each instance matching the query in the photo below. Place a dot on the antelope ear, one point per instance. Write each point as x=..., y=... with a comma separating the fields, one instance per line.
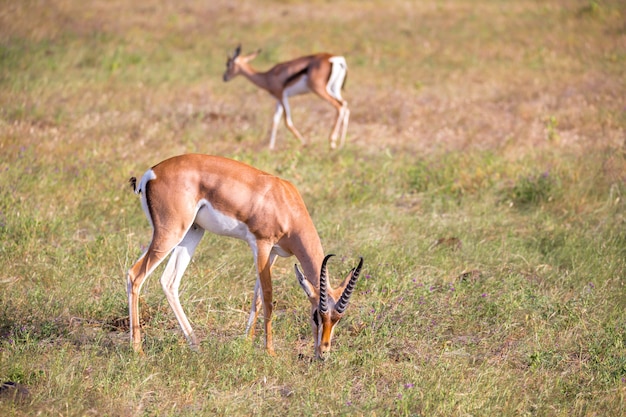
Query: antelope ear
x=251, y=56
x=304, y=283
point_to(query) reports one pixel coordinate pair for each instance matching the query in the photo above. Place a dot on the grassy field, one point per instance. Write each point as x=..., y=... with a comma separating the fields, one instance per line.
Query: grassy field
x=483, y=182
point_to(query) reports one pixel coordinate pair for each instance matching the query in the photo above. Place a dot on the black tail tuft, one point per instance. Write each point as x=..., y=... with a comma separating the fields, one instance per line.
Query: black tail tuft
x=133, y=183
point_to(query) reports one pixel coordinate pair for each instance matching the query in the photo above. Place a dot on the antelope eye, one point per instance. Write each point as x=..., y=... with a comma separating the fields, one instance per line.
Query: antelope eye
x=316, y=319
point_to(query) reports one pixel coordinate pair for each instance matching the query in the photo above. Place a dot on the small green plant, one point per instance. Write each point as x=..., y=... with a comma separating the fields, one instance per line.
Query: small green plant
x=532, y=189
x=593, y=8
x=420, y=177
x=439, y=177
x=551, y=128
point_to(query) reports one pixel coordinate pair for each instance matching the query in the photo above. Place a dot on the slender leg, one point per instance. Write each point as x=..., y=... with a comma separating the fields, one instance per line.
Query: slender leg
x=136, y=277
x=335, y=132
x=264, y=266
x=278, y=114
x=254, y=310
x=341, y=107
x=289, y=122
x=170, y=280
x=346, y=118
x=256, y=302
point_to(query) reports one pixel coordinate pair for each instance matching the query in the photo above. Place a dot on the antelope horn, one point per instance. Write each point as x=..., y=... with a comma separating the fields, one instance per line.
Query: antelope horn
x=323, y=306
x=347, y=292
x=237, y=51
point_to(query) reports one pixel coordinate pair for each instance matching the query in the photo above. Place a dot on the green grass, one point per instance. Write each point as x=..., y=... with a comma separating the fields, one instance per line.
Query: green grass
x=483, y=182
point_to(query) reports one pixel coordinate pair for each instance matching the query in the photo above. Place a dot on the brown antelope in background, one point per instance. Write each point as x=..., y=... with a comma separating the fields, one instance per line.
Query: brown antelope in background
x=323, y=74
x=185, y=195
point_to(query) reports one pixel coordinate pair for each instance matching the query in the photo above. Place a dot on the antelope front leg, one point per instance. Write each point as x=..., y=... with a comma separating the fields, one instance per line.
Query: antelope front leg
x=267, y=309
x=257, y=301
x=289, y=122
x=254, y=310
x=264, y=266
x=278, y=114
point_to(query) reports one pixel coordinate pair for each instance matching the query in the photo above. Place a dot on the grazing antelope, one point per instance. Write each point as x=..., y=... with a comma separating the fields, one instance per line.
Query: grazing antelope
x=185, y=195
x=323, y=74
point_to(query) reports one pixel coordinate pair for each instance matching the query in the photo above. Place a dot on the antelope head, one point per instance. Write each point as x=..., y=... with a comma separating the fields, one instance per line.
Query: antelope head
x=234, y=62
x=328, y=305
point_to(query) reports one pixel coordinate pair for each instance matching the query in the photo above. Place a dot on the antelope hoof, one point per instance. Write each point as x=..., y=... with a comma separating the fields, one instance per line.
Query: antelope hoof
x=193, y=342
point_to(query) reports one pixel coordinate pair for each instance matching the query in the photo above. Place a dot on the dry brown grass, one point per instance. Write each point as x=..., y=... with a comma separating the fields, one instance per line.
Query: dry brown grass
x=424, y=78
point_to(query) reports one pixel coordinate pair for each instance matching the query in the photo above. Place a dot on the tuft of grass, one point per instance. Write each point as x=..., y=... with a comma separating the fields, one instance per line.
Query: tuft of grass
x=532, y=189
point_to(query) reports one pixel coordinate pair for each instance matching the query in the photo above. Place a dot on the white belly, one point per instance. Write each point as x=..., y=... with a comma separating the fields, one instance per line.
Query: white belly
x=217, y=222
x=299, y=87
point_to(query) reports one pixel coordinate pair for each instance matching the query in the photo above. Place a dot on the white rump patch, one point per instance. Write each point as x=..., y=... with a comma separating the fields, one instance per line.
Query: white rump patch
x=337, y=76
x=149, y=175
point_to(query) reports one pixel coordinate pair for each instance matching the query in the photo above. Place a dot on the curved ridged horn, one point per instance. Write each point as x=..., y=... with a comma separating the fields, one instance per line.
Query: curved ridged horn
x=237, y=51
x=323, y=306
x=347, y=292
